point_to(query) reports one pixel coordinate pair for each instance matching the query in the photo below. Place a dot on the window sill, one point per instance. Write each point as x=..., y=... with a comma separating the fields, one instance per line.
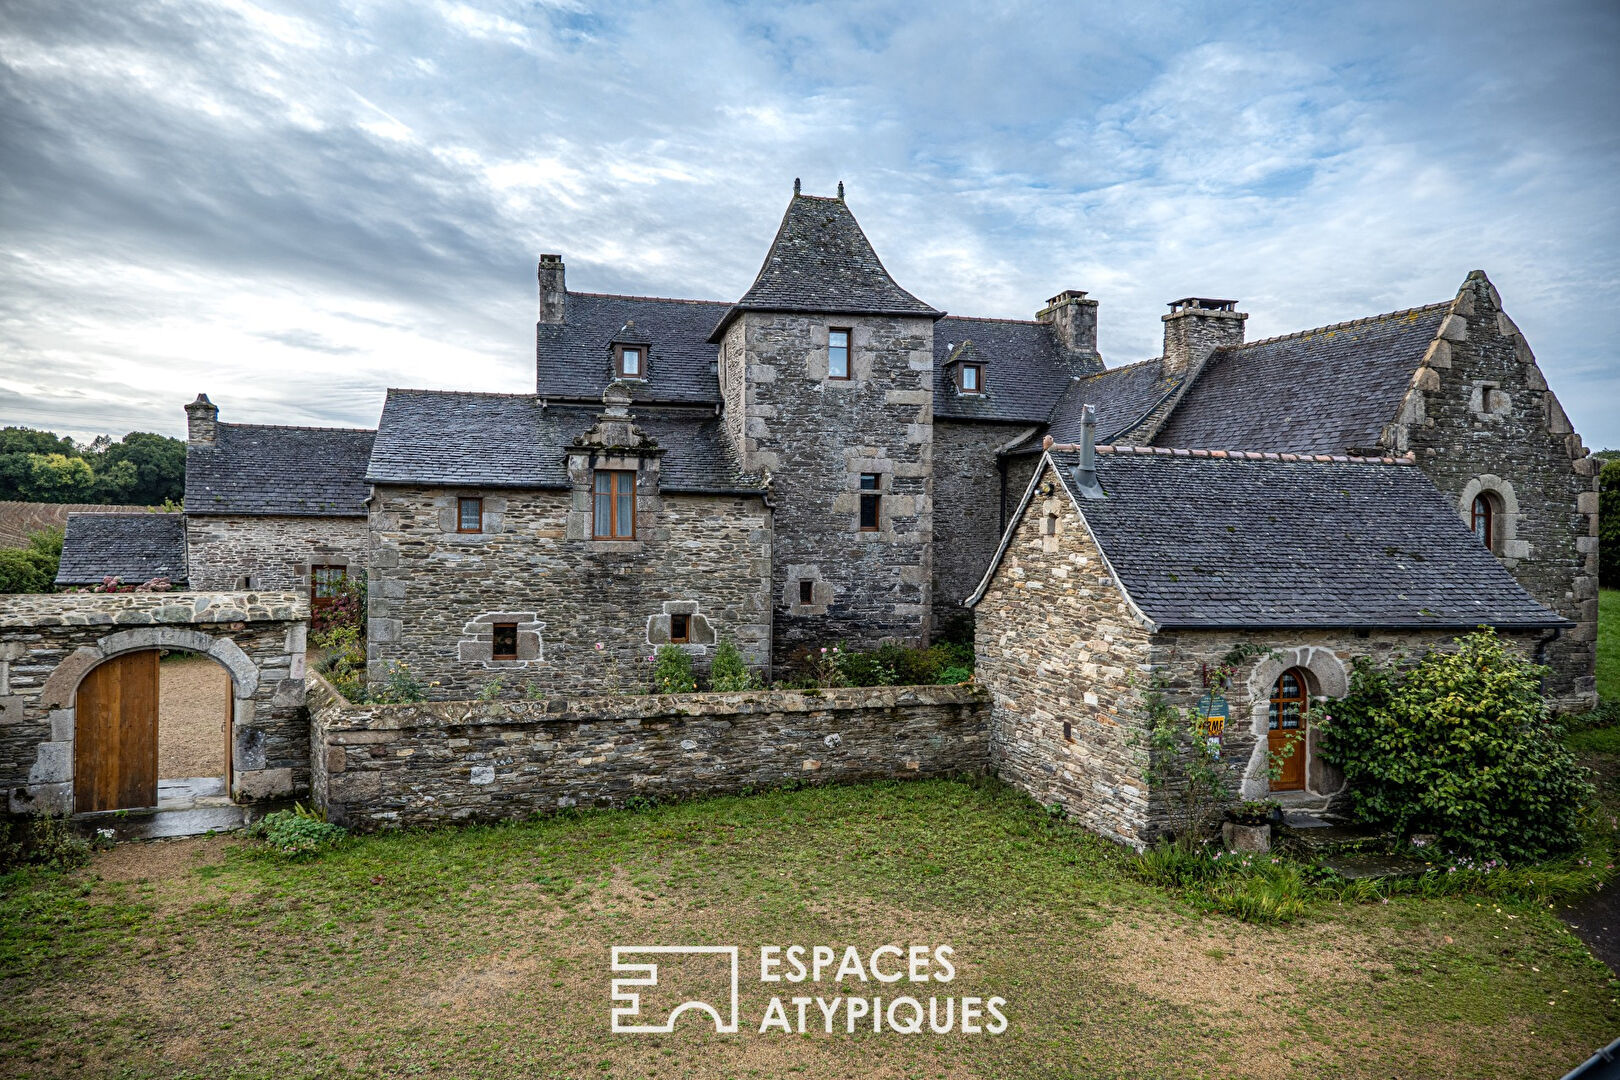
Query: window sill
x=614, y=547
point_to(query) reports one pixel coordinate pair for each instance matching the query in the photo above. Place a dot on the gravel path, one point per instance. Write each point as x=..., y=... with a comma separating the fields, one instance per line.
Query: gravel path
x=193, y=702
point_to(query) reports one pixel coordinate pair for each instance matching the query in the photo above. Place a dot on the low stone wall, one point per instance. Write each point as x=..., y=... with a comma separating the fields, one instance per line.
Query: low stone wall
x=50, y=642
x=378, y=766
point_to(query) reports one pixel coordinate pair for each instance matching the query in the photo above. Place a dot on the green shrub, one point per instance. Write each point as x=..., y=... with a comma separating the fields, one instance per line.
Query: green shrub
x=47, y=840
x=728, y=673
x=297, y=832
x=32, y=569
x=490, y=690
x=864, y=668
x=1461, y=746
x=672, y=671
x=951, y=676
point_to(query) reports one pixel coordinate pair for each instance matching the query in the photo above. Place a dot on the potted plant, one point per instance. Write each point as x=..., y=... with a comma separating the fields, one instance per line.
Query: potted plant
x=1248, y=826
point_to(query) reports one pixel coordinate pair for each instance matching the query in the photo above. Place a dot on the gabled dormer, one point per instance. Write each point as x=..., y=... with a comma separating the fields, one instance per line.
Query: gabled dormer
x=631, y=351
x=966, y=369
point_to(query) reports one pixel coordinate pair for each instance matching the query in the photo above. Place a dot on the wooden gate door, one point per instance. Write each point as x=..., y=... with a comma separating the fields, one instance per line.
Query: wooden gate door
x=1286, y=735
x=115, y=735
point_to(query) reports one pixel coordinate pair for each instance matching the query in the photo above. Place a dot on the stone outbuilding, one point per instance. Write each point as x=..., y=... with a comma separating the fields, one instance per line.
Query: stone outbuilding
x=1138, y=570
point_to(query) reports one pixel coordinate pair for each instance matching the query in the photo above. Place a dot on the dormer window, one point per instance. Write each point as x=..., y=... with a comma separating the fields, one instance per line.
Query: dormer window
x=838, y=354
x=630, y=361
x=970, y=378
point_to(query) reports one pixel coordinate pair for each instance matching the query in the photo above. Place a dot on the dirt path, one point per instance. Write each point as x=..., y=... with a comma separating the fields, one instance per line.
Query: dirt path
x=193, y=702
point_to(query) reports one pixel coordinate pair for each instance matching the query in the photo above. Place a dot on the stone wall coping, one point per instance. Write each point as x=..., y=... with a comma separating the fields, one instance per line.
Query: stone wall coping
x=146, y=609
x=343, y=715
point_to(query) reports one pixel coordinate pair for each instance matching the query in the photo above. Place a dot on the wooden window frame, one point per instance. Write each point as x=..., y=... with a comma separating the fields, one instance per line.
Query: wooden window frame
x=461, y=517
x=961, y=379
x=1483, y=511
x=498, y=630
x=871, y=497
x=849, y=353
x=683, y=635
x=315, y=599
x=618, y=361
x=807, y=592
x=614, y=493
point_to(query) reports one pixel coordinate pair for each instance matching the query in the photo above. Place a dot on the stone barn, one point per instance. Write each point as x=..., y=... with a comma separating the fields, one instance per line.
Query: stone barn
x=1137, y=570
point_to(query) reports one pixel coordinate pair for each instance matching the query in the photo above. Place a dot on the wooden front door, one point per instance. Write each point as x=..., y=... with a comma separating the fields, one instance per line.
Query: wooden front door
x=1286, y=728
x=115, y=735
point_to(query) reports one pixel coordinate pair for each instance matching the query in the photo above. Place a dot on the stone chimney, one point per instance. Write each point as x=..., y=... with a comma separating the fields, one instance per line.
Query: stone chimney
x=1196, y=327
x=202, y=421
x=1073, y=320
x=553, y=290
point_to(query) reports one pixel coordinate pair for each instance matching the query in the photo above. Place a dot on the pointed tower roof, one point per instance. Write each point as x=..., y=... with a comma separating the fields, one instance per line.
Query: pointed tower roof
x=822, y=261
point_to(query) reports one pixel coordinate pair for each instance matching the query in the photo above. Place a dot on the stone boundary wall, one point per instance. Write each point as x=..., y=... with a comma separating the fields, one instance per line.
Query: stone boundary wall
x=383, y=766
x=50, y=642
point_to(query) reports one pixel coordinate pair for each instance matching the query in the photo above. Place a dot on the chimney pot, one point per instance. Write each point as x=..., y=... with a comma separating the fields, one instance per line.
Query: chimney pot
x=1073, y=319
x=1194, y=328
x=553, y=289
x=202, y=422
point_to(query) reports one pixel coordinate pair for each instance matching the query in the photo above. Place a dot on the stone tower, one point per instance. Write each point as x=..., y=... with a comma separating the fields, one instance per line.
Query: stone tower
x=826, y=369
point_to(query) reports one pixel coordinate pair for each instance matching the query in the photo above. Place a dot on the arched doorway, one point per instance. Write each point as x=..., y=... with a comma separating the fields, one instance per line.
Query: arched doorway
x=152, y=728
x=1286, y=726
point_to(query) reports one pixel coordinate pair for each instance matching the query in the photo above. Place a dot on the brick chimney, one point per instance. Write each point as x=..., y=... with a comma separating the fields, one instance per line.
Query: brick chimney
x=1196, y=327
x=553, y=290
x=1073, y=320
x=202, y=421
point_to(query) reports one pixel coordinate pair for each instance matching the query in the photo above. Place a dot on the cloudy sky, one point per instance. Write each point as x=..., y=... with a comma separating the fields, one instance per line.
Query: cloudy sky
x=292, y=206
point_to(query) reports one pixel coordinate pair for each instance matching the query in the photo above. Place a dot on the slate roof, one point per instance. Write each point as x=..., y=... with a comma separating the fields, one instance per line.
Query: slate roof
x=511, y=440
x=1201, y=541
x=1023, y=374
x=132, y=547
x=822, y=261
x=574, y=359
x=1120, y=396
x=1323, y=391
x=293, y=471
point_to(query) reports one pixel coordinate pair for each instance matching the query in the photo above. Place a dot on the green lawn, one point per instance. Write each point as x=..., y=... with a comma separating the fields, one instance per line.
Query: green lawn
x=1608, y=645
x=484, y=952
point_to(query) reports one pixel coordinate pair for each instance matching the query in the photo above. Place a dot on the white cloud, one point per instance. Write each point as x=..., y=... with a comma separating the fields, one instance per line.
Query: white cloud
x=293, y=206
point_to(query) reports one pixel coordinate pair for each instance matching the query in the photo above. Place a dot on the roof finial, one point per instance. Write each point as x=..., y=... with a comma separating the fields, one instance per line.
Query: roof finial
x=840, y=191
x=795, y=185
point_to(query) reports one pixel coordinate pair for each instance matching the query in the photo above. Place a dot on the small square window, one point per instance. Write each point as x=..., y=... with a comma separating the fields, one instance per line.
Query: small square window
x=870, y=485
x=470, y=515
x=680, y=629
x=837, y=354
x=972, y=378
x=505, y=643
x=807, y=592
x=326, y=584
x=631, y=361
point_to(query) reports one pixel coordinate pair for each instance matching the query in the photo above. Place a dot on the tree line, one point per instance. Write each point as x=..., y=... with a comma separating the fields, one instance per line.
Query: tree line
x=141, y=469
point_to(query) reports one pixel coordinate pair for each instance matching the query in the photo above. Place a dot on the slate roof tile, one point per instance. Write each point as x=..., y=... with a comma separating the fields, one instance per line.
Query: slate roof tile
x=821, y=261
x=269, y=470
x=1023, y=373
x=132, y=547
x=1326, y=390
x=1120, y=396
x=574, y=359
x=1248, y=539
x=510, y=440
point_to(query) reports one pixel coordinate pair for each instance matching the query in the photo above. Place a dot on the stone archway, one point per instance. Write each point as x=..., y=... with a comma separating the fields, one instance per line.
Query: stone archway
x=1326, y=678
x=49, y=644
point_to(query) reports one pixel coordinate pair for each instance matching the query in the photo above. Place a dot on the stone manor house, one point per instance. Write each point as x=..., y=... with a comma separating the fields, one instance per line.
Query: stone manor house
x=831, y=459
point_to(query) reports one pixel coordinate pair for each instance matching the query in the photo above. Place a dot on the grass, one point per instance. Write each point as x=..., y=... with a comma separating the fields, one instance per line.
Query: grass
x=484, y=951
x=1608, y=644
